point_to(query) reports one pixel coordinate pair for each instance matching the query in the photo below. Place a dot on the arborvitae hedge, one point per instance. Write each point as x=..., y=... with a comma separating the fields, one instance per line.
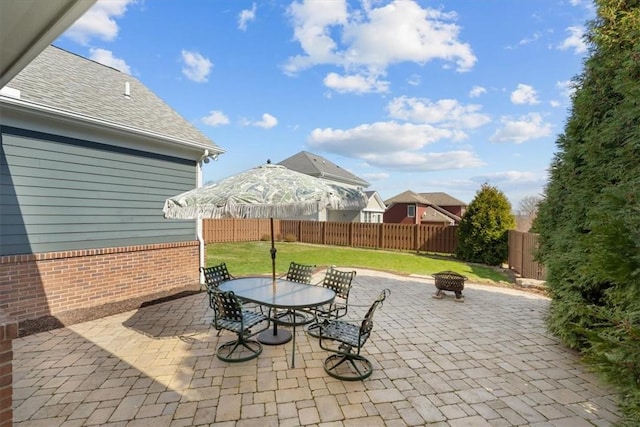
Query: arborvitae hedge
x=589, y=221
x=482, y=232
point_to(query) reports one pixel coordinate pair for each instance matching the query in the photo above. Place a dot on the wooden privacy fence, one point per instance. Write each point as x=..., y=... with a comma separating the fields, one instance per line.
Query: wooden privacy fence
x=521, y=255
x=421, y=238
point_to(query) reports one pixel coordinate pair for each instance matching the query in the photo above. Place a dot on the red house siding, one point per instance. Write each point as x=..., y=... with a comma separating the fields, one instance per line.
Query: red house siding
x=397, y=214
x=456, y=210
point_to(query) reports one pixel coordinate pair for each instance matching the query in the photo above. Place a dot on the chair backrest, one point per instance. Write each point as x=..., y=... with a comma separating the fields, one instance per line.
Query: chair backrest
x=226, y=306
x=339, y=281
x=215, y=275
x=367, y=323
x=300, y=273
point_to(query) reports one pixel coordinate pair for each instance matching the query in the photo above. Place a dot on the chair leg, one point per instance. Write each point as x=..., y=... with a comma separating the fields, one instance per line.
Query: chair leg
x=227, y=351
x=313, y=329
x=289, y=317
x=358, y=367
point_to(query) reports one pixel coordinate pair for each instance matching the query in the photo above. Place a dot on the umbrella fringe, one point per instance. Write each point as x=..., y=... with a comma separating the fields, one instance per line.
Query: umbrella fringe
x=173, y=210
x=233, y=210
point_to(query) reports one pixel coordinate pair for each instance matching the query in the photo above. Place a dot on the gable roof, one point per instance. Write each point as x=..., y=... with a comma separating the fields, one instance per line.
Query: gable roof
x=435, y=213
x=72, y=85
x=314, y=165
x=407, y=197
x=442, y=199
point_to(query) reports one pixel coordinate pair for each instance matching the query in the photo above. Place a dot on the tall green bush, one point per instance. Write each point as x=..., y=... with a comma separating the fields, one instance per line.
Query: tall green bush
x=482, y=232
x=589, y=221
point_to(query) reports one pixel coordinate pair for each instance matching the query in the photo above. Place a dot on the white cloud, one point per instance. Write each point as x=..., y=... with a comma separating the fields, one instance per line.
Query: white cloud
x=355, y=83
x=368, y=40
x=312, y=25
x=216, y=118
x=106, y=57
x=372, y=177
x=476, y=91
x=524, y=94
x=99, y=21
x=531, y=39
x=246, y=16
x=575, y=40
x=523, y=129
x=445, y=112
x=414, y=80
x=420, y=162
x=511, y=177
x=393, y=146
x=566, y=88
x=268, y=121
x=196, y=67
x=383, y=137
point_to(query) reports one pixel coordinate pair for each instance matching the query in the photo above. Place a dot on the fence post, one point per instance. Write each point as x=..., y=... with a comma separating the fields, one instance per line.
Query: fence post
x=351, y=234
x=324, y=233
x=522, y=235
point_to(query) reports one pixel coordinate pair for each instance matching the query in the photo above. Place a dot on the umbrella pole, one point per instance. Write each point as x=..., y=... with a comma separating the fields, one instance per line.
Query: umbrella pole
x=273, y=257
x=275, y=336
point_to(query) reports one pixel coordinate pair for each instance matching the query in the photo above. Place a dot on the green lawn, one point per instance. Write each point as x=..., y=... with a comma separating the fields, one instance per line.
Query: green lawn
x=253, y=258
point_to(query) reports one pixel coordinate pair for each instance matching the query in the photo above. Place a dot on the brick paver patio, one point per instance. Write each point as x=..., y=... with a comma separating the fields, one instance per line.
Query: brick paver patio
x=486, y=362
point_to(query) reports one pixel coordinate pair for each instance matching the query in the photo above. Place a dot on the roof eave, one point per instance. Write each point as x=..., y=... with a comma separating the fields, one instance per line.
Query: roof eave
x=20, y=105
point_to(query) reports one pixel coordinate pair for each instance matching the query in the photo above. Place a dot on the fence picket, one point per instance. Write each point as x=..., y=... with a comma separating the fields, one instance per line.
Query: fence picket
x=404, y=237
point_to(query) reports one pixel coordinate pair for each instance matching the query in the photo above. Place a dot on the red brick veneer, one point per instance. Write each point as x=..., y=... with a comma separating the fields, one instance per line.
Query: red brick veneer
x=36, y=285
x=8, y=332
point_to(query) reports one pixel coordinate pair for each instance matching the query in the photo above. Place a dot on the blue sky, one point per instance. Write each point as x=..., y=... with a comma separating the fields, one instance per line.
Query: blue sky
x=409, y=95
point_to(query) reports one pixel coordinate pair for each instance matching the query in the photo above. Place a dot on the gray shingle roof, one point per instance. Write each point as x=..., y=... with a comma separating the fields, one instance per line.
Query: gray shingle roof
x=68, y=82
x=314, y=165
x=407, y=197
x=442, y=199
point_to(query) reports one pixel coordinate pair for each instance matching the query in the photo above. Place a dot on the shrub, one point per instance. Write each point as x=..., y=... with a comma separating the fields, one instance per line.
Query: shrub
x=290, y=238
x=482, y=233
x=589, y=221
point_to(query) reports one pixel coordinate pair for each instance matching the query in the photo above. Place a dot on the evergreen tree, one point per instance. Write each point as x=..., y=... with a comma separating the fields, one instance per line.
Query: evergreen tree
x=482, y=232
x=589, y=221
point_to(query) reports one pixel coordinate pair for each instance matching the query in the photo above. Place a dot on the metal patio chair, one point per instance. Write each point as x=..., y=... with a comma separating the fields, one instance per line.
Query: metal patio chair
x=347, y=363
x=300, y=273
x=215, y=275
x=340, y=282
x=229, y=315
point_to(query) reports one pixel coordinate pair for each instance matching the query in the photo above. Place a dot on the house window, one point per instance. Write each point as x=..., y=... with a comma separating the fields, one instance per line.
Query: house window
x=411, y=211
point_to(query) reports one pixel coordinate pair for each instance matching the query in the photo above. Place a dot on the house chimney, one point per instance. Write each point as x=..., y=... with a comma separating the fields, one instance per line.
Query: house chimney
x=127, y=90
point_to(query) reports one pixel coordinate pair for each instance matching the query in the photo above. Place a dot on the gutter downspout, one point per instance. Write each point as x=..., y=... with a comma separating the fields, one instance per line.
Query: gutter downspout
x=199, y=234
x=206, y=158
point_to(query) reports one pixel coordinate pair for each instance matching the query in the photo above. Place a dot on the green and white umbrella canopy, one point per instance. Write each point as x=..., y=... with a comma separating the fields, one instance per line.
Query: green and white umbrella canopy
x=267, y=191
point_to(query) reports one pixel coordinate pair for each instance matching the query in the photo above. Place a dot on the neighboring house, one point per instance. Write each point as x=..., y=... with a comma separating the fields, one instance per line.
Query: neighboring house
x=374, y=211
x=319, y=167
x=414, y=208
x=88, y=155
x=446, y=202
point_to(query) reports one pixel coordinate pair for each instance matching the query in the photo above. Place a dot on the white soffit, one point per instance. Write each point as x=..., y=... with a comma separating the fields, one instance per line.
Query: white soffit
x=27, y=27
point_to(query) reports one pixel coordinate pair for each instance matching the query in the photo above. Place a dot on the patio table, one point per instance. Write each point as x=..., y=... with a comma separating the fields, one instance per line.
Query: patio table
x=284, y=295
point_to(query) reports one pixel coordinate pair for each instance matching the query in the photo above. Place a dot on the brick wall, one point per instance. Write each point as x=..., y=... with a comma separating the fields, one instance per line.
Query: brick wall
x=8, y=332
x=36, y=285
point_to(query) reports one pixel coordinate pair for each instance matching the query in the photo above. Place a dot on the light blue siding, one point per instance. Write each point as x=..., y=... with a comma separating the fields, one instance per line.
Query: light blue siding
x=59, y=194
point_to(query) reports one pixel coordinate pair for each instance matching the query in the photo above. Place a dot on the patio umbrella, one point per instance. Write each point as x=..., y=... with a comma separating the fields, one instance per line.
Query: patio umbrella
x=267, y=191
